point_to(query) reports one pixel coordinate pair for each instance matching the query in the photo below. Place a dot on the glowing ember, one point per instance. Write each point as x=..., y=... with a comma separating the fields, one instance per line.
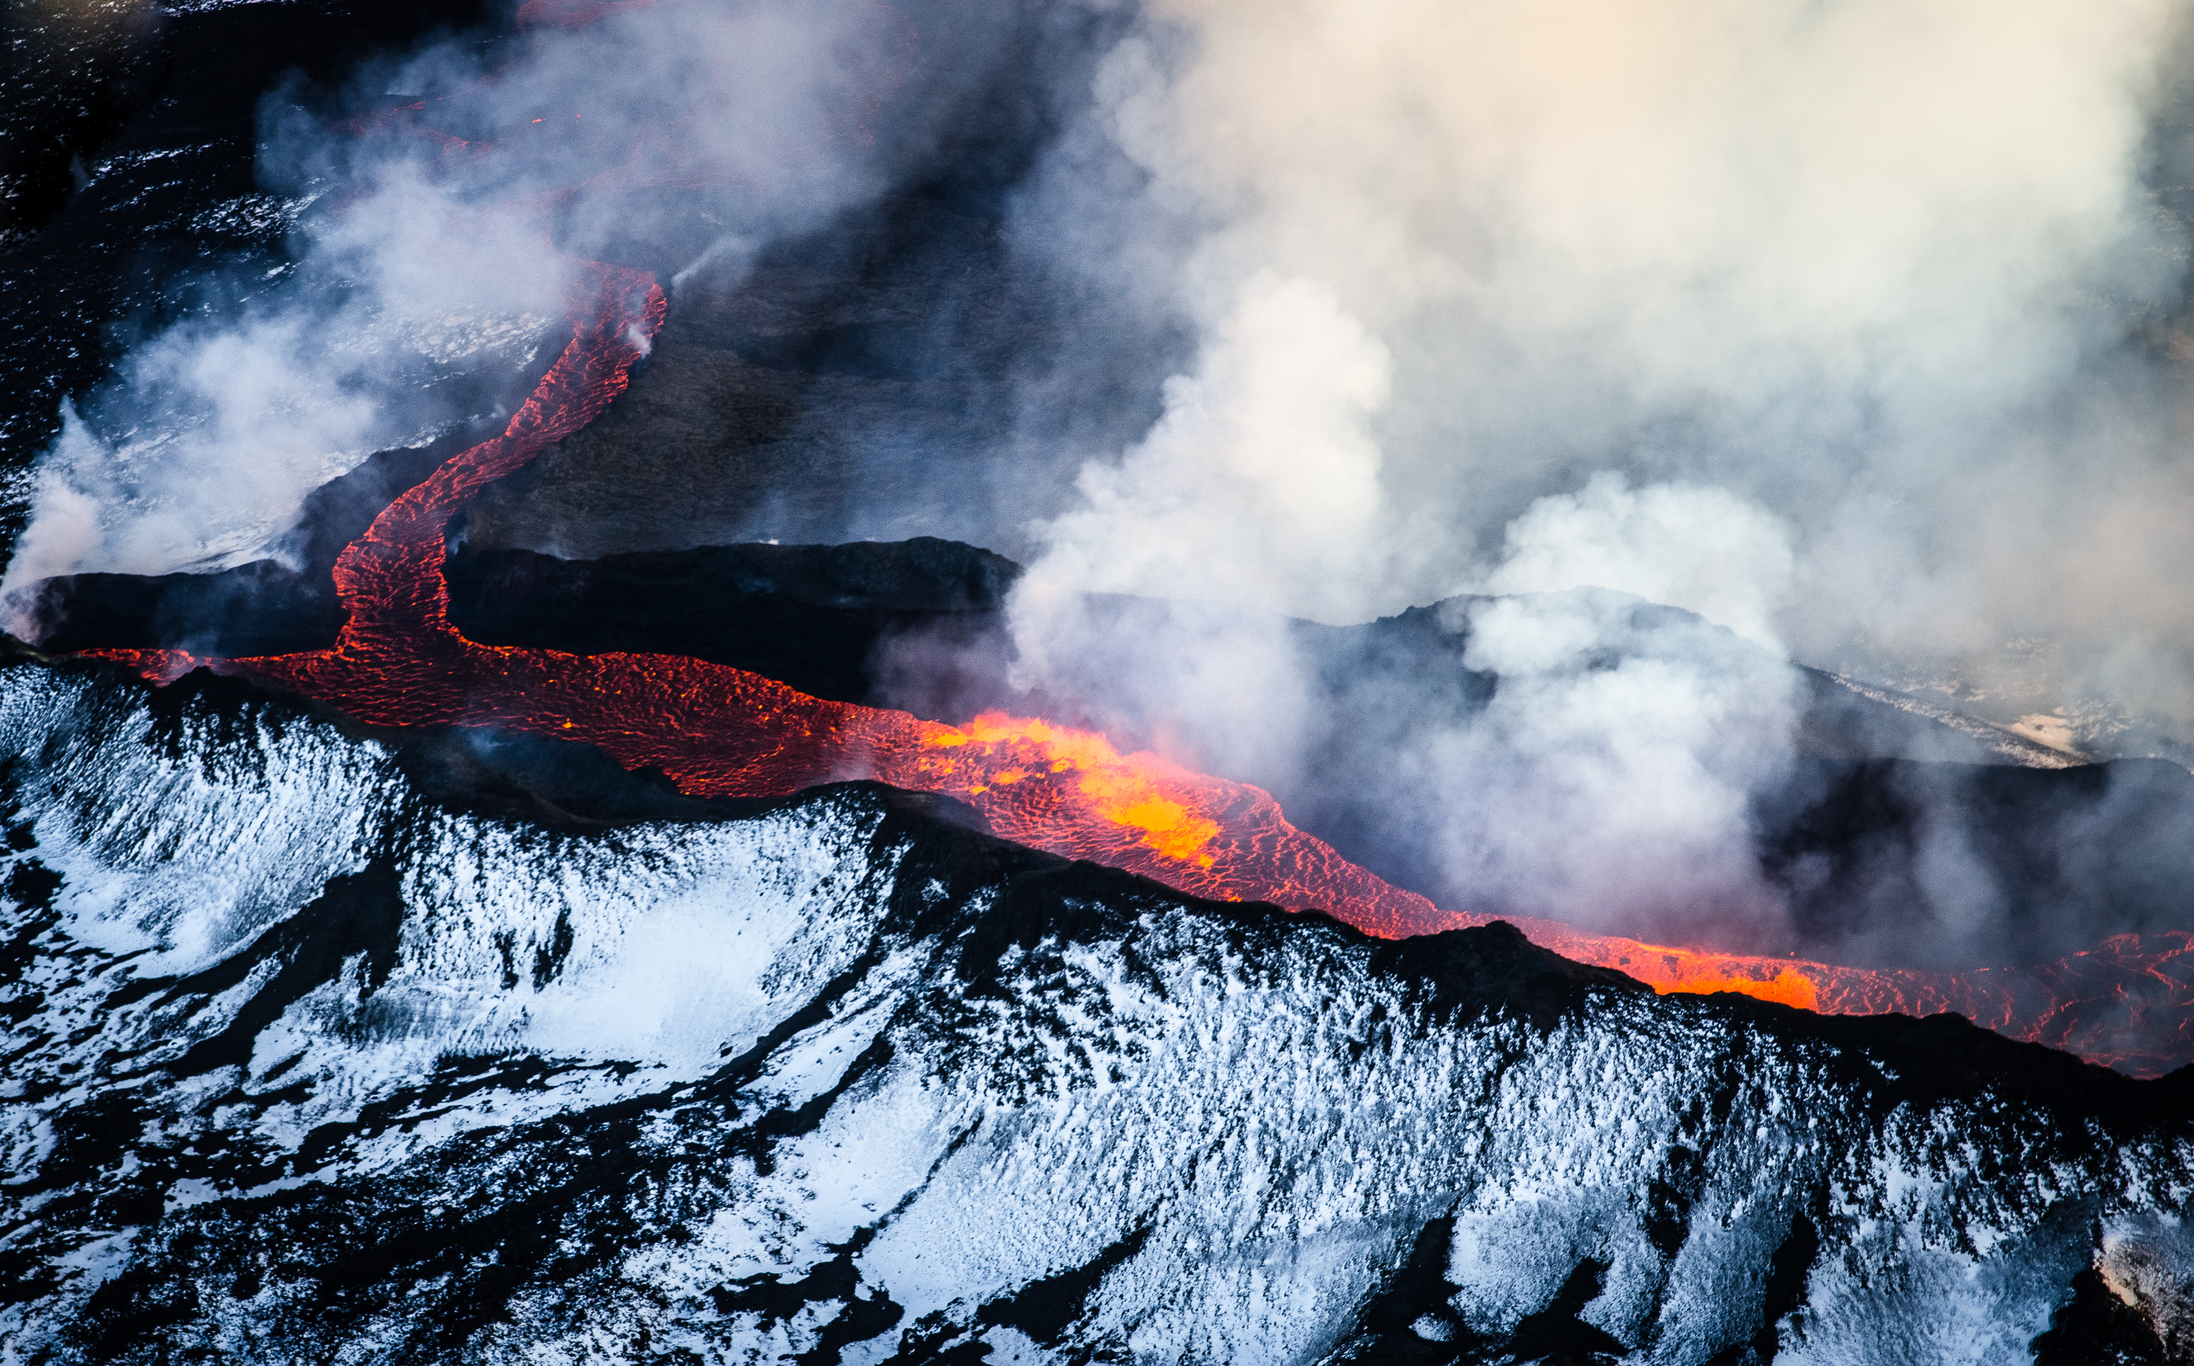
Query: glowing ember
x=2128, y=1002
x=1784, y=980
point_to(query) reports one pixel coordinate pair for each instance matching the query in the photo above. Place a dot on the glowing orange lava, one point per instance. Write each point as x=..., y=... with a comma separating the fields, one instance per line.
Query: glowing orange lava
x=1785, y=980
x=719, y=731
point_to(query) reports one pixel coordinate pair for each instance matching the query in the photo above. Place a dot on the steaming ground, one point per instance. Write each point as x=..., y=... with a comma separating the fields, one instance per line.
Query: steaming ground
x=314, y=1046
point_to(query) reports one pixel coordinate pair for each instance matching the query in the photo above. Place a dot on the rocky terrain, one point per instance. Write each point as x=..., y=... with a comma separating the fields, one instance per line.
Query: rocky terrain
x=339, y=1045
x=329, y=1045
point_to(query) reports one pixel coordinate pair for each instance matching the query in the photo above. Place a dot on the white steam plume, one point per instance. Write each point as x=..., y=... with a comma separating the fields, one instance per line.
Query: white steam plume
x=1609, y=780
x=1700, y=549
x=1268, y=443
x=1613, y=794
x=213, y=431
x=1872, y=266
x=1849, y=326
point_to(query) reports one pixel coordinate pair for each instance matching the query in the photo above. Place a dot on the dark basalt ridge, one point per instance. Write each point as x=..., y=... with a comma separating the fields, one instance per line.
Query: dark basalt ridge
x=1873, y=849
x=811, y=616
x=260, y=608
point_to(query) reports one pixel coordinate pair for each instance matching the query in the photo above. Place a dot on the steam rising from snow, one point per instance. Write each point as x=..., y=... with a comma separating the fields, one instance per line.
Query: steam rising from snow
x=214, y=431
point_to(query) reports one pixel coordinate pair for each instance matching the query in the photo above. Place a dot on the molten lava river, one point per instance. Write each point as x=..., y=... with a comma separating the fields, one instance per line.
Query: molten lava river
x=719, y=731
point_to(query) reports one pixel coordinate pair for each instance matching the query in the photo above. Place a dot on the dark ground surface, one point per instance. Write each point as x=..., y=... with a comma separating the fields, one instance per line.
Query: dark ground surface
x=128, y=193
x=859, y=384
x=923, y=366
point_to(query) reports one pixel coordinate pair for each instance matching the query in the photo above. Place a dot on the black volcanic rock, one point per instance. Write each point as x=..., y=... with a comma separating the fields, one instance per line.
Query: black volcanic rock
x=810, y=616
x=2099, y=1329
x=127, y=150
x=348, y=1071
x=864, y=381
x=260, y=608
x=79, y=72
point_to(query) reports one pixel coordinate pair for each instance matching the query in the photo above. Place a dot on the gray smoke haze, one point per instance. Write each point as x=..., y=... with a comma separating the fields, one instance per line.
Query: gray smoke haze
x=434, y=249
x=1852, y=327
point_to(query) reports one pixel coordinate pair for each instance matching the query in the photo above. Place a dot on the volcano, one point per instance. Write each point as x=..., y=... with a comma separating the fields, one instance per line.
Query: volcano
x=509, y=919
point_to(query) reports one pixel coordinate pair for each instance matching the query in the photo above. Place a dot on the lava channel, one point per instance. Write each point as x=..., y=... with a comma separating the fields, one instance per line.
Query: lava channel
x=717, y=731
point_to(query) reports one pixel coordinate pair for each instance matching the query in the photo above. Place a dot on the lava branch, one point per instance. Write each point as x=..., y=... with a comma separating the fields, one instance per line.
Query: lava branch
x=719, y=731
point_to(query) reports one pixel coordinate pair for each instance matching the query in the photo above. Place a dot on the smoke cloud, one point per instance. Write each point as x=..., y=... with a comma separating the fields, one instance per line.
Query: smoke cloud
x=1854, y=328
x=1268, y=444
x=213, y=432
x=1889, y=272
x=1857, y=329
x=441, y=206
x=1700, y=549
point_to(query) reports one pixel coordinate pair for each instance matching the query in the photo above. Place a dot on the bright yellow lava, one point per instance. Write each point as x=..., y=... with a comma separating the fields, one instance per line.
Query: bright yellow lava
x=1125, y=789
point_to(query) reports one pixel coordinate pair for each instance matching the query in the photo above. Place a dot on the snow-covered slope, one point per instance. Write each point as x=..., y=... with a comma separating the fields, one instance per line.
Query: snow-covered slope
x=305, y=1065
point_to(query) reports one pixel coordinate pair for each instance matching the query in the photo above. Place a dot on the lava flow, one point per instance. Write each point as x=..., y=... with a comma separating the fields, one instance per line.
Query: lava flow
x=720, y=731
